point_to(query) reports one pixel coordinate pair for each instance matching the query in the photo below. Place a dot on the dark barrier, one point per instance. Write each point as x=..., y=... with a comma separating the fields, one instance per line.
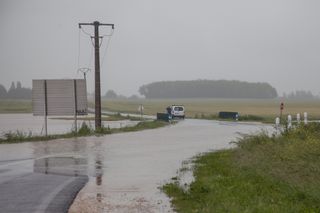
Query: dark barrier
x=163, y=116
x=226, y=115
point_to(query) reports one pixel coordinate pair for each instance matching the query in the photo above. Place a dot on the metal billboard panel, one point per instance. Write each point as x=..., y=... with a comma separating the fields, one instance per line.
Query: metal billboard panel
x=59, y=97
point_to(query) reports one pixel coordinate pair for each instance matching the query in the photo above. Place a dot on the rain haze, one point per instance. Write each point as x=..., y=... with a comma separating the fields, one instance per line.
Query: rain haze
x=257, y=41
x=205, y=106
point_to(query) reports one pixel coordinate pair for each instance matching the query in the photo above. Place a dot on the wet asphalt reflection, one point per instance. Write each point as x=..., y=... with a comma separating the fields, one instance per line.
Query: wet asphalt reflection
x=124, y=170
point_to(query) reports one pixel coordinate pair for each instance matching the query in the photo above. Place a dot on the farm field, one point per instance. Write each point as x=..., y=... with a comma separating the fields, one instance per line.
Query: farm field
x=207, y=107
x=15, y=106
x=194, y=107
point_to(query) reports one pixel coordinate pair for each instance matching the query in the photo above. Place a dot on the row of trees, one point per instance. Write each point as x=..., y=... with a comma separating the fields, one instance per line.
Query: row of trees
x=111, y=94
x=182, y=89
x=300, y=95
x=207, y=89
x=15, y=92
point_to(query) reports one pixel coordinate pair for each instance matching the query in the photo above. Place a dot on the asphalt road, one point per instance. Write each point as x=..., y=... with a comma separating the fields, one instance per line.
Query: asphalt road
x=34, y=192
x=116, y=173
x=25, y=190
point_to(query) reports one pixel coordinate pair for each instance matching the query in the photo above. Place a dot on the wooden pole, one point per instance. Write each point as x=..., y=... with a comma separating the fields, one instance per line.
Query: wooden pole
x=96, y=25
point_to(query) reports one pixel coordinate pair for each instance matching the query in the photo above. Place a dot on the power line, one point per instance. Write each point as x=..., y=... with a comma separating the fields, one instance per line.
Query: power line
x=105, y=50
x=88, y=34
x=92, y=40
x=92, y=37
x=107, y=35
x=91, y=56
x=107, y=45
x=79, y=48
x=89, y=61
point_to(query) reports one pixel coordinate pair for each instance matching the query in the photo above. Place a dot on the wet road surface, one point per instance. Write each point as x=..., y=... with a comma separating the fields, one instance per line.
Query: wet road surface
x=124, y=170
x=28, y=123
x=32, y=192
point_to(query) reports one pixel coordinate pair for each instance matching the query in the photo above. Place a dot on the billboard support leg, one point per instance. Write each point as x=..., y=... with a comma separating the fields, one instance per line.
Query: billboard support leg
x=75, y=105
x=45, y=109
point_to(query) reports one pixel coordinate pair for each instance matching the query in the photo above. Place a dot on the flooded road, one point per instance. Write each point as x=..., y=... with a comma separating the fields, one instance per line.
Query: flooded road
x=124, y=170
x=35, y=124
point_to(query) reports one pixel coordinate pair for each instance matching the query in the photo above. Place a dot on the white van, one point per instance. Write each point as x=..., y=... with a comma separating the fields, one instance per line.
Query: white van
x=177, y=111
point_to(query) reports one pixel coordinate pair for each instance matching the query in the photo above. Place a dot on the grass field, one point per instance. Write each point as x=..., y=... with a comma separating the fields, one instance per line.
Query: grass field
x=207, y=107
x=263, y=174
x=268, y=108
x=15, y=106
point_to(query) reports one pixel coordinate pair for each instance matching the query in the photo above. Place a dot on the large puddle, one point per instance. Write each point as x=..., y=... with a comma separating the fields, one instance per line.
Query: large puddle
x=61, y=165
x=35, y=124
x=125, y=170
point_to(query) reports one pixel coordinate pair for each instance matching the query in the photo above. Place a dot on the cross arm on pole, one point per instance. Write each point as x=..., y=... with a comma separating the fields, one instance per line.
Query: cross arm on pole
x=112, y=25
x=80, y=24
x=96, y=23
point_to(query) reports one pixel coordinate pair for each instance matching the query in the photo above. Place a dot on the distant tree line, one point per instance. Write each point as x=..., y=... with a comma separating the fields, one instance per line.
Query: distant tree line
x=207, y=89
x=15, y=92
x=300, y=95
x=111, y=94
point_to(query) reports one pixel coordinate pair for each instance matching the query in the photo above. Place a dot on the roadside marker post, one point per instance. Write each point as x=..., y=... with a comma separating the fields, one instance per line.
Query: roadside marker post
x=140, y=109
x=298, y=118
x=305, y=115
x=277, y=123
x=289, y=121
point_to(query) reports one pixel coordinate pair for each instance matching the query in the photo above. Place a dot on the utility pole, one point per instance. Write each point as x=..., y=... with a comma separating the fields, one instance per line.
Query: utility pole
x=96, y=25
x=84, y=70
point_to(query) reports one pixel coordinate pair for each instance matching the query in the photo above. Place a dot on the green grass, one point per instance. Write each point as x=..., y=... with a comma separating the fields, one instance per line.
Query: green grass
x=85, y=130
x=251, y=118
x=15, y=106
x=263, y=174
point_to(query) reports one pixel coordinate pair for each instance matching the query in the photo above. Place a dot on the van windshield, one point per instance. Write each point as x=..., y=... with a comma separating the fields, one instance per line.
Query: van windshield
x=178, y=109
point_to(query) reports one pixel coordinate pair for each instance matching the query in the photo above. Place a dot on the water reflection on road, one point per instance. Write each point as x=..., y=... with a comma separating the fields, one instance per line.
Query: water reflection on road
x=35, y=124
x=125, y=170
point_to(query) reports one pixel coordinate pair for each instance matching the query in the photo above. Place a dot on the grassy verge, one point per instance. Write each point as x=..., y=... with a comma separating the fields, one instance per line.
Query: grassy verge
x=263, y=174
x=85, y=130
x=251, y=118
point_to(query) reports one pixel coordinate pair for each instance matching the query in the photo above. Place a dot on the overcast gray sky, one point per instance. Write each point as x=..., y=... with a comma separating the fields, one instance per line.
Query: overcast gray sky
x=275, y=41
